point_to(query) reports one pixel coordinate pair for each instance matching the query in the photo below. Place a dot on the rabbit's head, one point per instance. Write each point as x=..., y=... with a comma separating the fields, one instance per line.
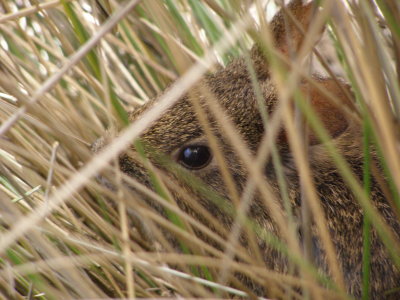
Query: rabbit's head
x=190, y=148
x=180, y=133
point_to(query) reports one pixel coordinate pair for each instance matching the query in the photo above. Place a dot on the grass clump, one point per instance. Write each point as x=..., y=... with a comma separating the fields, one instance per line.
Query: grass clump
x=71, y=72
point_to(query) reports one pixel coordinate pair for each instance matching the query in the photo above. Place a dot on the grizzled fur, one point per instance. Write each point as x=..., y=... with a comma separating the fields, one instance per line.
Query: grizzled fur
x=232, y=87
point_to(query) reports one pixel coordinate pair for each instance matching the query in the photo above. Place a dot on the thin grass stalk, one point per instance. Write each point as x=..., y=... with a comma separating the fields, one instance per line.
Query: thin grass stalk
x=130, y=280
x=366, y=268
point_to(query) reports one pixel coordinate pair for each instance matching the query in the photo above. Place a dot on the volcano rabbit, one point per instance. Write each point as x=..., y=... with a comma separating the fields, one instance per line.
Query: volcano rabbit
x=179, y=134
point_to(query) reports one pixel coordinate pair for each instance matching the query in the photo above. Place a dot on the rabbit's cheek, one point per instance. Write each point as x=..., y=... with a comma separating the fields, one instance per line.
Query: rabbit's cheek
x=133, y=169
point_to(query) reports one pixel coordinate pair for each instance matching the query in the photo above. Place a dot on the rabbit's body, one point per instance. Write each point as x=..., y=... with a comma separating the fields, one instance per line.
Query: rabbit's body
x=179, y=127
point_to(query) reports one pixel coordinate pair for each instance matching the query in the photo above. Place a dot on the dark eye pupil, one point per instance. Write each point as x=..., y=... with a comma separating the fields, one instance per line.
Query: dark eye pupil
x=195, y=157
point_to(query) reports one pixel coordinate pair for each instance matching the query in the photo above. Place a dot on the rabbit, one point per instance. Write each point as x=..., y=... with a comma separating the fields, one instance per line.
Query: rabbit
x=179, y=135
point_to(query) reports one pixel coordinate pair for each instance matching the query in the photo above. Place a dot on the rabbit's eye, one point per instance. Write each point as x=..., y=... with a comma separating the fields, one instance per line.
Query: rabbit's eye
x=195, y=156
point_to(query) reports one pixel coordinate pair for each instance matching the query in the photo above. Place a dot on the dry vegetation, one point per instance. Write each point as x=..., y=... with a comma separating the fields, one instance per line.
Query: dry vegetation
x=72, y=69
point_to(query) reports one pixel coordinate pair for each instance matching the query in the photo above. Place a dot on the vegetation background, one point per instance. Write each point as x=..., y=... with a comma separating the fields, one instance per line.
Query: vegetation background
x=72, y=69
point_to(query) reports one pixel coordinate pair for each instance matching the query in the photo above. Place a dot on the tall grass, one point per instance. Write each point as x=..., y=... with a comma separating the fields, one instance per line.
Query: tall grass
x=70, y=73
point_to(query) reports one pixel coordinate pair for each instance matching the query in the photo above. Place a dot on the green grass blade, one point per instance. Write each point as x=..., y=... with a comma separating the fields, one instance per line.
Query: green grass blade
x=82, y=36
x=184, y=29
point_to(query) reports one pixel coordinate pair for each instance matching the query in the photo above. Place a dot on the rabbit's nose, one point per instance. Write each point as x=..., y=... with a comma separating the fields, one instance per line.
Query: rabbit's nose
x=97, y=145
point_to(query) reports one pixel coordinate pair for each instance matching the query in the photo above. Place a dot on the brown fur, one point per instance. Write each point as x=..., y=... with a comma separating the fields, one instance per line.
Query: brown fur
x=232, y=88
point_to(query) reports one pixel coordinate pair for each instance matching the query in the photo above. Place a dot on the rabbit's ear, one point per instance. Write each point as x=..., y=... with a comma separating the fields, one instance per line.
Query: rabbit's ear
x=331, y=115
x=286, y=35
x=287, y=38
